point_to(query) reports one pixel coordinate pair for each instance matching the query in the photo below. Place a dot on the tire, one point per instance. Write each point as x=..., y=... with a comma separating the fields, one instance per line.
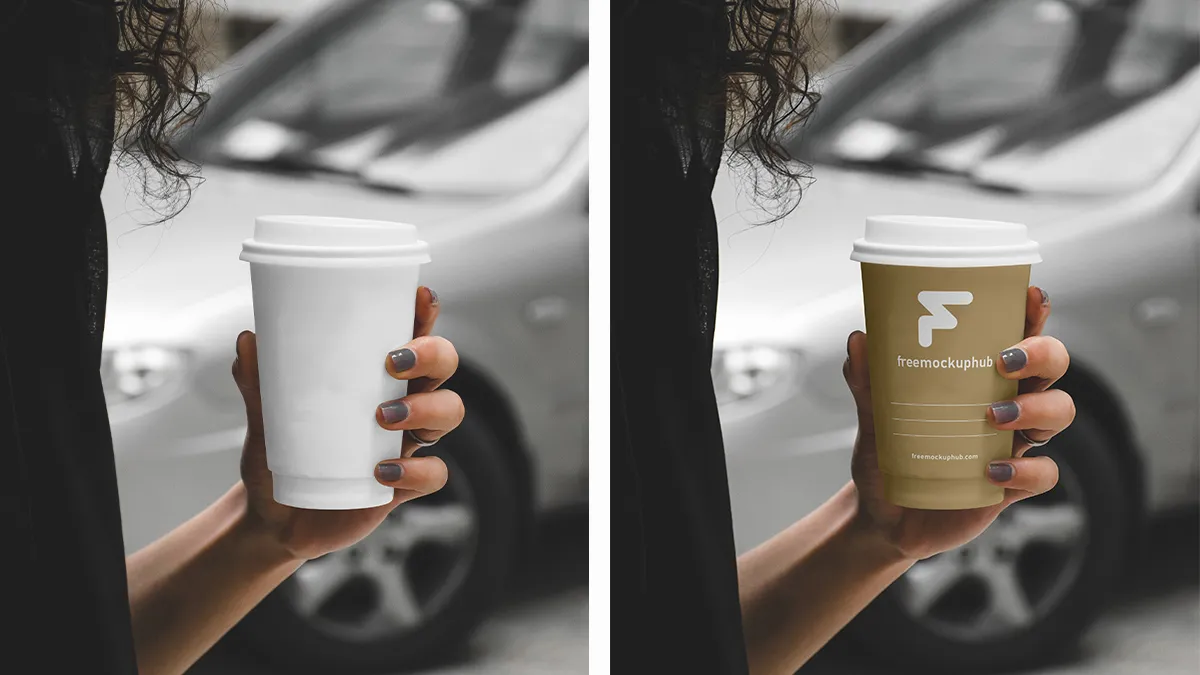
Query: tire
x=330, y=640
x=1089, y=465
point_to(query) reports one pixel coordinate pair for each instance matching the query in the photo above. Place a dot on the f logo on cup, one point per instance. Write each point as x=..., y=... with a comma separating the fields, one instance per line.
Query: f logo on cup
x=939, y=318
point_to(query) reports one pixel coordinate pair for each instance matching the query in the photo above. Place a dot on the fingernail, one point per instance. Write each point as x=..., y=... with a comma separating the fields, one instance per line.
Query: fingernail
x=1005, y=411
x=1000, y=472
x=1014, y=359
x=1045, y=296
x=394, y=411
x=403, y=359
x=389, y=472
x=433, y=298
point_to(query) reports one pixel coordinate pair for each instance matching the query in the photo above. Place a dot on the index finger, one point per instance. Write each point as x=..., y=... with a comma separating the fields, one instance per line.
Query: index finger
x=1043, y=358
x=1037, y=310
x=427, y=311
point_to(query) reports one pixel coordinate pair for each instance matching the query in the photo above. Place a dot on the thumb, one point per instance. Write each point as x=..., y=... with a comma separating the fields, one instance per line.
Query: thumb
x=858, y=378
x=245, y=374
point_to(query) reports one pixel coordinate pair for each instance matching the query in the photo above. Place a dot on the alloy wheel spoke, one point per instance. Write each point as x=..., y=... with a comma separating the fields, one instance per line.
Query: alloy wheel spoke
x=1008, y=607
x=444, y=524
x=317, y=580
x=397, y=604
x=1061, y=524
x=927, y=581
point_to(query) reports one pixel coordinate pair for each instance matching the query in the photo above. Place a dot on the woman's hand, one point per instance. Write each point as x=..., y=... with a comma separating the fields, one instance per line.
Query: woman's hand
x=426, y=362
x=1037, y=361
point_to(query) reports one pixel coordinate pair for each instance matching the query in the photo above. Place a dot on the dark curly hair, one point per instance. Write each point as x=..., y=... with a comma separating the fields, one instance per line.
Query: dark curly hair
x=158, y=89
x=769, y=91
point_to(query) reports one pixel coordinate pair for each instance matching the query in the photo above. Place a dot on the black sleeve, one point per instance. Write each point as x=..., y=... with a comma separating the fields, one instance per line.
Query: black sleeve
x=63, y=584
x=674, y=577
x=59, y=511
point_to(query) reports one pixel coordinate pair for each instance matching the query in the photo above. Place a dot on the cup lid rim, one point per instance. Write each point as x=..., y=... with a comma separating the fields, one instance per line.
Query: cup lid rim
x=940, y=241
x=257, y=251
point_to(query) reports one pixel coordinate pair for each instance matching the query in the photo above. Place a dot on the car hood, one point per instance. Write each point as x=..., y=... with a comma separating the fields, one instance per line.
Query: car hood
x=782, y=280
x=163, y=274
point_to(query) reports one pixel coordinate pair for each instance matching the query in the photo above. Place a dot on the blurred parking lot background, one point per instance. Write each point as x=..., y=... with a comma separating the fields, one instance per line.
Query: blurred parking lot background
x=1150, y=629
x=1080, y=119
x=469, y=120
x=540, y=628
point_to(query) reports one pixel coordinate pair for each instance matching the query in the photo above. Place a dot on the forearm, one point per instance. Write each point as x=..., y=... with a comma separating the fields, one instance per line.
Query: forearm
x=802, y=586
x=190, y=587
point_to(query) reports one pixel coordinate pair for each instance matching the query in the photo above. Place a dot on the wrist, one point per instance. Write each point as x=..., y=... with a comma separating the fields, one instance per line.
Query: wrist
x=256, y=534
x=873, y=537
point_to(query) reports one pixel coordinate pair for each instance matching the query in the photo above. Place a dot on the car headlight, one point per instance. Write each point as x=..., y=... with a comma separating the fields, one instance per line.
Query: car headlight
x=133, y=373
x=754, y=376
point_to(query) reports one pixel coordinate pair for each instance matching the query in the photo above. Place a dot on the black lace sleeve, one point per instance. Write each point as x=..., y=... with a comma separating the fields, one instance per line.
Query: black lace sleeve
x=675, y=599
x=63, y=580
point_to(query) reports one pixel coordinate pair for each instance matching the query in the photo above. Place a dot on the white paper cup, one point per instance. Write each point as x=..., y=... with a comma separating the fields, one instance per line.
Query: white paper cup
x=332, y=296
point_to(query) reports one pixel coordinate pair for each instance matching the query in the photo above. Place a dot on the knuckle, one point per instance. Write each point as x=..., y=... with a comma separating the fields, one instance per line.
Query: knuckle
x=1051, y=474
x=1037, y=348
x=460, y=407
x=424, y=346
x=439, y=343
x=439, y=350
x=448, y=352
x=441, y=475
x=1059, y=350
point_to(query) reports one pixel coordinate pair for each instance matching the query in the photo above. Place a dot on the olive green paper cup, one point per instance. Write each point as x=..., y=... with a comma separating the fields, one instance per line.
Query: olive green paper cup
x=943, y=298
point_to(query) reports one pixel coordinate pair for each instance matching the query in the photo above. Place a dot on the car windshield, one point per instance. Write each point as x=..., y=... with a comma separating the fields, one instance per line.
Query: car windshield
x=1064, y=96
x=407, y=80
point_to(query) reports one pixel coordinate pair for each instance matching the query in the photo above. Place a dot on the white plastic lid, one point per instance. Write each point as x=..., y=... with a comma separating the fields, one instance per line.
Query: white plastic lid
x=313, y=239
x=932, y=241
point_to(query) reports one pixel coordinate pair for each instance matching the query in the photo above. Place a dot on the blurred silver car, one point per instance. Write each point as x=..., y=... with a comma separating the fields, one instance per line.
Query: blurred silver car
x=1077, y=118
x=468, y=119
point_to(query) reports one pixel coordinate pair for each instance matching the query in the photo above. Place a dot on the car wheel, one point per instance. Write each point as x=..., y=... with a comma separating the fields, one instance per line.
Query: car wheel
x=1027, y=587
x=413, y=589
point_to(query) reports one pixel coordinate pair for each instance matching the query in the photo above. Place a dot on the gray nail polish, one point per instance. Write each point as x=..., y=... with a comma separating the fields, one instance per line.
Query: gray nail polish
x=1000, y=472
x=403, y=359
x=433, y=298
x=1005, y=411
x=1045, y=296
x=389, y=472
x=1014, y=359
x=394, y=411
